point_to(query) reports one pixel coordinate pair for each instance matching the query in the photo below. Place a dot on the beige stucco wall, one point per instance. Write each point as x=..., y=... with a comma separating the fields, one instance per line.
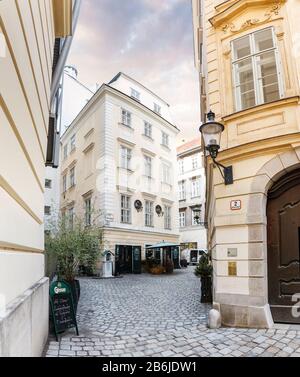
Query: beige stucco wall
x=261, y=143
x=27, y=35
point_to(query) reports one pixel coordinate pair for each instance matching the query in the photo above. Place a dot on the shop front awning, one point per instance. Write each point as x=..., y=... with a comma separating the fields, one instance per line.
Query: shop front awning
x=162, y=244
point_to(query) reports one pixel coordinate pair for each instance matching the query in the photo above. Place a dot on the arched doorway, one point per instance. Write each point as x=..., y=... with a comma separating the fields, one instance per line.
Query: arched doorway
x=283, y=234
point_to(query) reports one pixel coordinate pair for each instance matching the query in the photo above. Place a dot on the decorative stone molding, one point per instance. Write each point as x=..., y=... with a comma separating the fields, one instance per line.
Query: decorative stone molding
x=232, y=28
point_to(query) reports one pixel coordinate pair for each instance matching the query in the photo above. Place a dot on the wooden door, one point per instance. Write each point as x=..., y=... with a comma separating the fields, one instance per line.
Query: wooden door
x=283, y=216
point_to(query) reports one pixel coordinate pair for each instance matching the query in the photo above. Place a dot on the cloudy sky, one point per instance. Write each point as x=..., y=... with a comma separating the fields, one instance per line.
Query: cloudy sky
x=150, y=40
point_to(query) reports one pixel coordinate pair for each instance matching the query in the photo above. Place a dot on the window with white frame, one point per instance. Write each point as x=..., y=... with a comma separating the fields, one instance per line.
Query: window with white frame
x=65, y=183
x=157, y=108
x=47, y=210
x=182, y=219
x=167, y=217
x=125, y=209
x=148, y=129
x=73, y=142
x=195, y=162
x=135, y=94
x=88, y=211
x=148, y=213
x=165, y=139
x=182, y=190
x=65, y=151
x=181, y=166
x=126, y=118
x=72, y=177
x=148, y=166
x=196, y=216
x=256, y=69
x=195, y=187
x=125, y=157
x=166, y=173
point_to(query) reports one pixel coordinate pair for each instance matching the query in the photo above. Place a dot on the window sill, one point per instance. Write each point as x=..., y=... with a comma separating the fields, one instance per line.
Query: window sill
x=166, y=147
x=125, y=125
x=128, y=170
x=148, y=137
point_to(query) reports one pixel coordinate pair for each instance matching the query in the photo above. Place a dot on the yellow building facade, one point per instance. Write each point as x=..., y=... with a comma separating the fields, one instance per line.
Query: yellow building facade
x=28, y=31
x=251, y=60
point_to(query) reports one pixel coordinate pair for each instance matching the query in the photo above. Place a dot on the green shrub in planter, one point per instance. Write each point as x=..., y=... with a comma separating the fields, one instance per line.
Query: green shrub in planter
x=71, y=247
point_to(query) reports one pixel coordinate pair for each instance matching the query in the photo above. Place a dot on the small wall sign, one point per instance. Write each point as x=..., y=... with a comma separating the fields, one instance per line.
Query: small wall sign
x=235, y=205
x=232, y=252
x=232, y=271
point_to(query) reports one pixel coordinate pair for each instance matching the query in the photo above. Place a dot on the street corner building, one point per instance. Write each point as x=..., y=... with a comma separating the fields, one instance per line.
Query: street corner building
x=247, y=54
x=33, y=35
x=119, y=172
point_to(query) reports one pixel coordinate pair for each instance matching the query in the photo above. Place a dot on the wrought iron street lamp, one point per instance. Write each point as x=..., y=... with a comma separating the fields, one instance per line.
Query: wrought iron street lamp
x=211, y=132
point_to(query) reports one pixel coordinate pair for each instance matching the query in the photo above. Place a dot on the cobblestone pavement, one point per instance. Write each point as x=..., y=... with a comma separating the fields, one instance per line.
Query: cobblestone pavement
x=144, y=315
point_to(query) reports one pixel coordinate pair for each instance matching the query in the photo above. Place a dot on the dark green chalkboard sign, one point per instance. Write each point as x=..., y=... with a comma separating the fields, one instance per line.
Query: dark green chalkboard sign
x=62, y=307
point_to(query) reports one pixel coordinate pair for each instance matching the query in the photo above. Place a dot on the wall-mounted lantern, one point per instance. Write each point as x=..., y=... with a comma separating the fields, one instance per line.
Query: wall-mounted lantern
x=211, y=132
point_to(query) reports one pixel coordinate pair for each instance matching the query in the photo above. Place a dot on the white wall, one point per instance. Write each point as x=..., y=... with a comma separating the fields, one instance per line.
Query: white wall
x=147, y=98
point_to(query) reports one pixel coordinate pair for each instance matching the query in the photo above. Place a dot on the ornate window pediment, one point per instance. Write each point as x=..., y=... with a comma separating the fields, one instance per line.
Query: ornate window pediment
x=229, y=19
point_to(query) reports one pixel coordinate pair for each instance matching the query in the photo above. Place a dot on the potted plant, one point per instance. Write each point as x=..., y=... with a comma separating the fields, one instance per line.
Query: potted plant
x=72, y=247
x=203, y=270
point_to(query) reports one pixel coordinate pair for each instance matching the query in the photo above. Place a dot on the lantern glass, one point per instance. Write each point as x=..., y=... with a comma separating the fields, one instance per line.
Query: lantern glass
x=211, y=132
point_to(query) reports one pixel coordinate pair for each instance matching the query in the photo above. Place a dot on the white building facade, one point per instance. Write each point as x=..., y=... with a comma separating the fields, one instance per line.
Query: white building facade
x=119, y=158
x=191, y=195
x=74, y=97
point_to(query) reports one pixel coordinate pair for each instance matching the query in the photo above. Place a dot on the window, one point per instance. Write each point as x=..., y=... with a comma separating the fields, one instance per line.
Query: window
x=71, y=217
x=73, y=141
x=182, y=190
x=157, y=108
x=125, y=157
x=48, y=183
x=72, y=177
x=195, y=162
x=135, y=94
x=65, y=151
x=88, y=212
x=166, y=173
x=196, y=216
x=167, y=217
x=147, y=129
x=126, y=118
x=182, y=219
x=148, y=213
x=148, y=166
x=65, y=183
x=256, y=69
x=125, y=209
x=165, y=139
x=195, y=185
x=181, y=166
x=47, y=210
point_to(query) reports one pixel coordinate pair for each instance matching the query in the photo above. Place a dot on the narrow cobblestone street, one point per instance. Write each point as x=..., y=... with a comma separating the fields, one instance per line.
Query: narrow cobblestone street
x=145, y=315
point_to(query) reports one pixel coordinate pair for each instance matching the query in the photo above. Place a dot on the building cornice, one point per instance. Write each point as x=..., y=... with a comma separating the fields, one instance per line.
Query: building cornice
x=259, y=147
